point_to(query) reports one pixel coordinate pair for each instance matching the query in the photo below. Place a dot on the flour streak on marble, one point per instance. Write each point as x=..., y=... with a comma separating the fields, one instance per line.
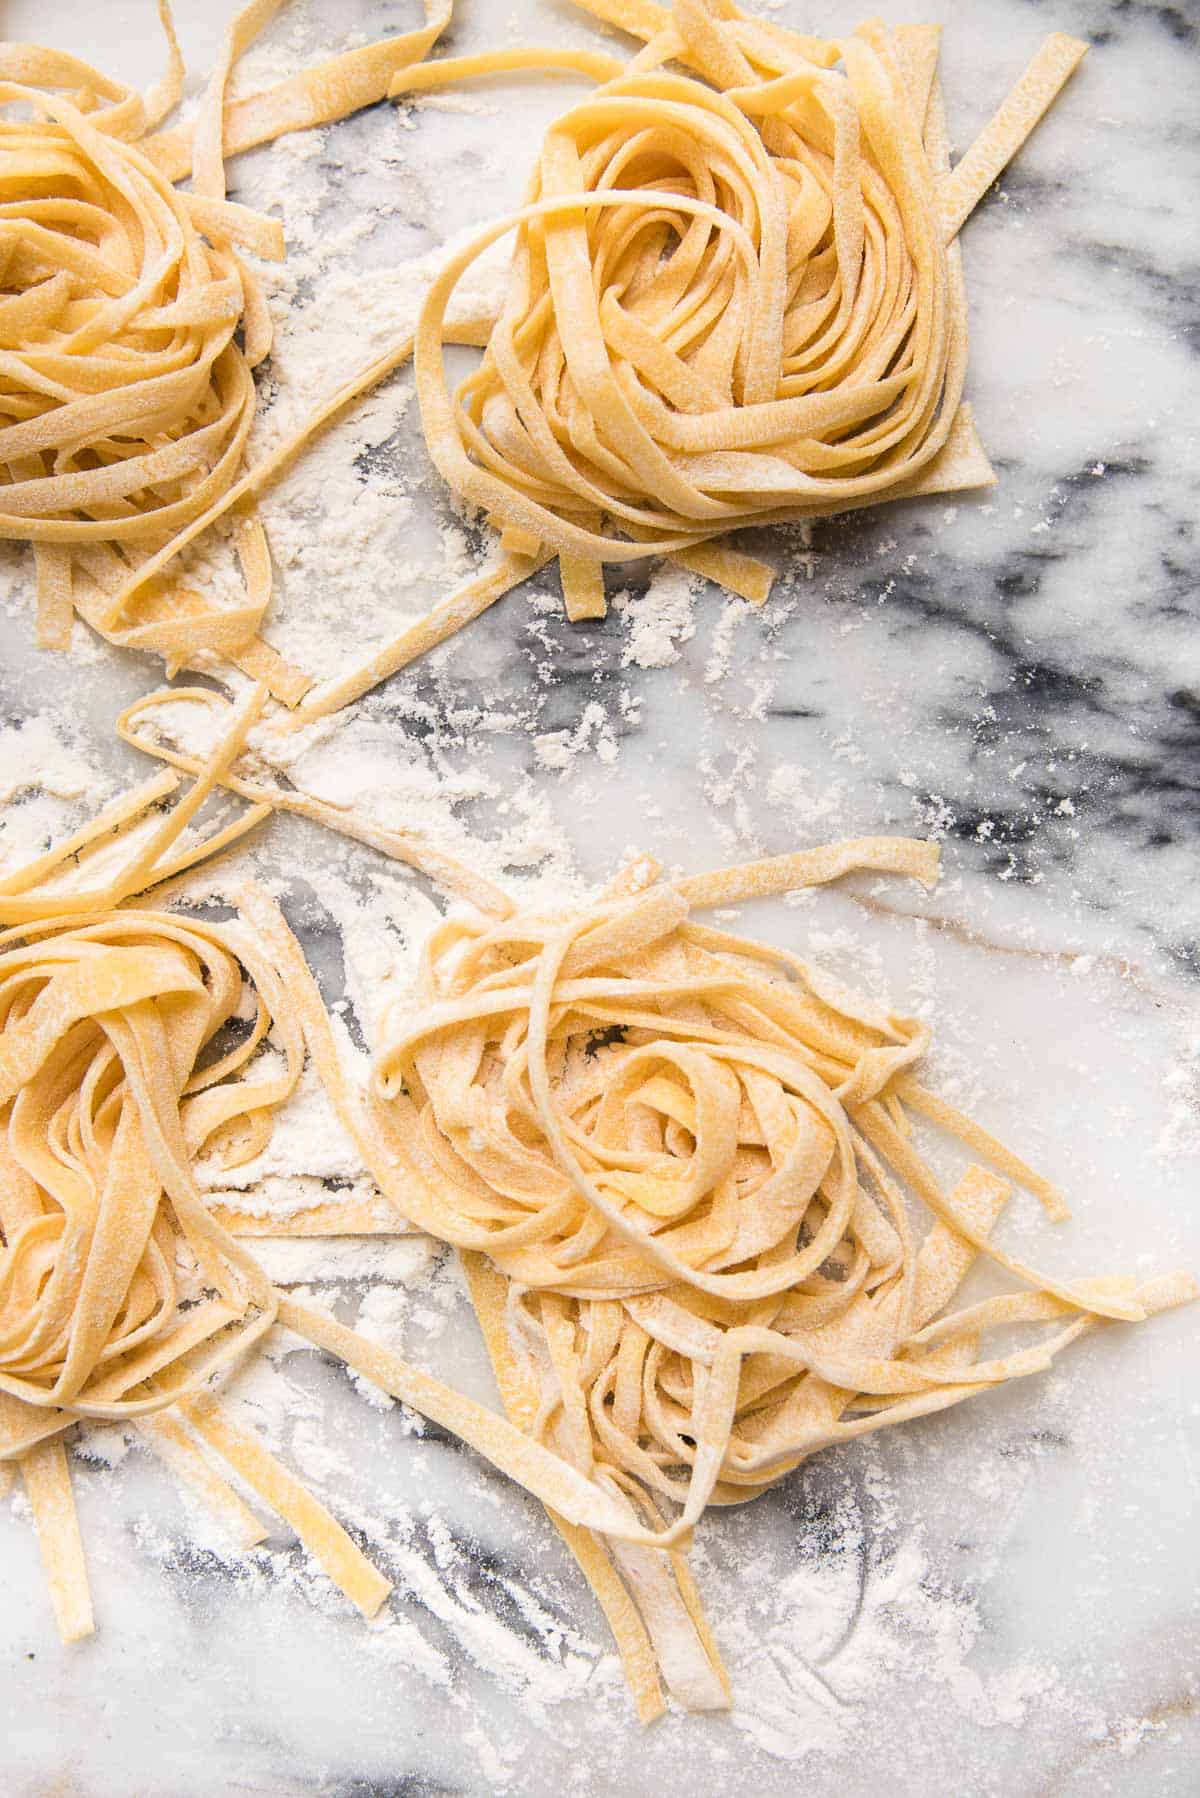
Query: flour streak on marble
x=1018, y=672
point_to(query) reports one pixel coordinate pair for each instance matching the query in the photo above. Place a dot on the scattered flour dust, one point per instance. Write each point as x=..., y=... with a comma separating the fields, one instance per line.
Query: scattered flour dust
x=816, y=1637
x=44, y=778
x=720, y=658
x=593, y=735
x=355, y=558
x=661, y=619
x=1180, y=1134
x=834, y=1637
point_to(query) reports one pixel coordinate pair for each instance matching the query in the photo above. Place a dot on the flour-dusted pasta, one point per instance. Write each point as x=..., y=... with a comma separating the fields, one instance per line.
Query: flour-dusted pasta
x=142, y=725
x=129, y=847
x=680, y=1166
x=131, y=1044
x=127, y=397
x=677, y=1163
x=735, y=297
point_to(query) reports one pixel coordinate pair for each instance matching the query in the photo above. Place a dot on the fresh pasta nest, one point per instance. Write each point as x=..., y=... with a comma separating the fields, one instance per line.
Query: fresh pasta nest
x=127, y=399
x=122, y=1296
x=130, y=325
x=736, y=296
x=703, y=331
x=120, y=1293
x=674, y=1161
x=112, y=1082
x=691, y=1158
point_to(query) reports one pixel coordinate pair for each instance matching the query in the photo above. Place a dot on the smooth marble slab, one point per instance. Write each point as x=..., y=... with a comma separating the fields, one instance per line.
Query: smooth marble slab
x=998, y=1601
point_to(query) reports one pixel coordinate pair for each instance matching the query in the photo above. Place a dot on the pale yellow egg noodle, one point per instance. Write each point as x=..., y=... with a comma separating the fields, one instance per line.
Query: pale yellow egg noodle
x=125, y=396
x=736, y=297
x=678, y=1165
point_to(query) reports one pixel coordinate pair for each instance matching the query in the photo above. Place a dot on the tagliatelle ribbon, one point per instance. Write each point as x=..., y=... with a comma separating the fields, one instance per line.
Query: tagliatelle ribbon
x=735, y=297
x=127, y=398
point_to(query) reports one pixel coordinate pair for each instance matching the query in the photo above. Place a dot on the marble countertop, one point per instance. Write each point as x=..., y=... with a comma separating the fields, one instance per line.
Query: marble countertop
x=1002, y=1600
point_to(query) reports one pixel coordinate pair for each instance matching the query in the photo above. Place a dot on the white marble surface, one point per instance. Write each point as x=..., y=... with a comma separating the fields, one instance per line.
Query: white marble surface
x=999, y=1601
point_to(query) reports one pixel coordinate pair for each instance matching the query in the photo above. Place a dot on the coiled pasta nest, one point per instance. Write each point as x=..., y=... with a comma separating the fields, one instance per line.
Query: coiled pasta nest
x=126, y=400
x=693, y=1160
x=114, y=1276
x=733, y=301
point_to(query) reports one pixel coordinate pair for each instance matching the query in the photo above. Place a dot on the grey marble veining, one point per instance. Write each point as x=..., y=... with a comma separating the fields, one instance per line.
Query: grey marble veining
x=1018, y=672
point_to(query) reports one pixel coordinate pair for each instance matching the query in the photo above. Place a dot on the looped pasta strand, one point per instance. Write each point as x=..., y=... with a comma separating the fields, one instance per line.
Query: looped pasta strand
x=691, y=1159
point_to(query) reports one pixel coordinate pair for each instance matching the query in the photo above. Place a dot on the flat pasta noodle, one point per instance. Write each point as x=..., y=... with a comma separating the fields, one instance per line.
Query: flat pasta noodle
x=998, y=142
x=167, y=1434
x=320, y=1532
x=47, y=1481
x=141, y=726
x=319, y=95
x=57, y=882
x=734, y=296
x=690, y=1157
x=128, y=398
x=340, y=1217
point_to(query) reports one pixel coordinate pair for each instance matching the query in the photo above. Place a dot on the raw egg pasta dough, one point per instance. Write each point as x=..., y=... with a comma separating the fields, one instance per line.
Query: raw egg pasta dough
x=121, y=1292
x=113, y=1275
x=679, y=1165
x=692, y=1158
x=126, y=397
x=121, y=1296
x=735, y=295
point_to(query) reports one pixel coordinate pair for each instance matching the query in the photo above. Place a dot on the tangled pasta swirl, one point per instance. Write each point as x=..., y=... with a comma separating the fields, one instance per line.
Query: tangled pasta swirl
x=731, y=300
x=687, y=1153
x=126, y=400
x=129, y=327
x=118, y=1290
